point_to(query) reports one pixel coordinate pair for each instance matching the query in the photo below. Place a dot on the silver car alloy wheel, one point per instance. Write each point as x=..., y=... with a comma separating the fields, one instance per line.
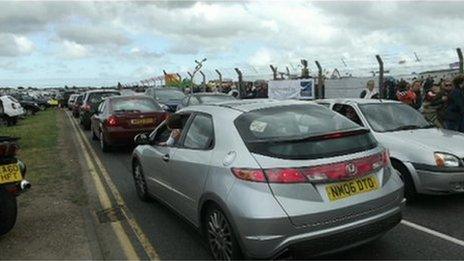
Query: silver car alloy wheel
x=219, y=236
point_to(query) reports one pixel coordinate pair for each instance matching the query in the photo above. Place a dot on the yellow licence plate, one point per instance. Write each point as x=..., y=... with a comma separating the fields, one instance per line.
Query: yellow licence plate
x=353, y=187
x=142, y=121
x=10, y=173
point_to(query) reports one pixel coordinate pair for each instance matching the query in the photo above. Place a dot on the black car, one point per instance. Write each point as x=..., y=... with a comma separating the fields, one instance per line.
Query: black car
x=205, y=98
x=169, y=98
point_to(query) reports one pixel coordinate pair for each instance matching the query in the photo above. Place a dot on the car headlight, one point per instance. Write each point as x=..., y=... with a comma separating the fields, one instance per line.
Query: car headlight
x=446, y=160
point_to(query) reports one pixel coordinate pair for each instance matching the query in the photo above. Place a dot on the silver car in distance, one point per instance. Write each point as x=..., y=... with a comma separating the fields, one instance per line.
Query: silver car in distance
x=262, y=178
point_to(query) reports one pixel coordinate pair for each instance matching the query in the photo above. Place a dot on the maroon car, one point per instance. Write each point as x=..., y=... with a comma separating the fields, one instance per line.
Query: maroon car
x=119, y=119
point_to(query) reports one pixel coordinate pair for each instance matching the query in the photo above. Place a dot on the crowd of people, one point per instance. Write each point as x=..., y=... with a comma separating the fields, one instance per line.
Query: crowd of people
x=441, y=102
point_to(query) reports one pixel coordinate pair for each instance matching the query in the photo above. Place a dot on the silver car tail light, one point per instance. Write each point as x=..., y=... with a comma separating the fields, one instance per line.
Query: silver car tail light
x=322, y=173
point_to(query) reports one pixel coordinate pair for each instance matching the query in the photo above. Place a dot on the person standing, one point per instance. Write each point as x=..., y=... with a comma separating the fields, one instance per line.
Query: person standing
x=434, y=102
x=454, y=118
x=370, y=92
x=405, y=94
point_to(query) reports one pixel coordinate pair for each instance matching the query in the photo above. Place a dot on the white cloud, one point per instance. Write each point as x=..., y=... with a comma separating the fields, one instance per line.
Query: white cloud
x=72, y=50
x=15, y=45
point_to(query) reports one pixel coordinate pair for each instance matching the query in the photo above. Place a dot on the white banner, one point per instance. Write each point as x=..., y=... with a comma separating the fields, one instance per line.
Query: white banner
x=291, y=89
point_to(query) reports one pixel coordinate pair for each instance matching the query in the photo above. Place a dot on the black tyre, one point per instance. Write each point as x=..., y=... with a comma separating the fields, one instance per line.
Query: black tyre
x=8, y=211
x=409, y=187
x=105, y=147
x=140, y=183
x=221, y=238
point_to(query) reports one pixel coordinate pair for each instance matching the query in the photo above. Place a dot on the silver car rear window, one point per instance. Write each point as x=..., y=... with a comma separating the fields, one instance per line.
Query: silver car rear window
x=301, y=132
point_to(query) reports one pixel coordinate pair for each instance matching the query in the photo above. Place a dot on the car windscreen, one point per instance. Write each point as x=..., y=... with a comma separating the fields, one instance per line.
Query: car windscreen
x=208, y=99
x=135, y=105
x=79, y=99
x=167, y=95
x=97, y=97
x=301, y=132
x=385, y=117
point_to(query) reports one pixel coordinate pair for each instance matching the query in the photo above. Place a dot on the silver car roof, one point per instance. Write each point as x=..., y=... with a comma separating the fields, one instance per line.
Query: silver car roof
x=356, y=100
x=257, y=104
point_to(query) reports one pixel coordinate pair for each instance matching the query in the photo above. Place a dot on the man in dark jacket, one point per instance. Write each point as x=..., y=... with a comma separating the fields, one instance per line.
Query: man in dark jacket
x=454, y=118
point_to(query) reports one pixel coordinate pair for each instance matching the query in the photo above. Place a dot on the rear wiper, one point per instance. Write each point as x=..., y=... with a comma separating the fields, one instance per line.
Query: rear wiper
x=406, y=127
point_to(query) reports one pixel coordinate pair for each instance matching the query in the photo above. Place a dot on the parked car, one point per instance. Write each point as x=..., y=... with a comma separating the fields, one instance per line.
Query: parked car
x=10, y=110
x=119, y=119
x=90, y=101
x=76, y=106
x=262, y=177
x=28, y=103
x=71, y=100
x=430, y=160
x=169, y=98
x=204, y=98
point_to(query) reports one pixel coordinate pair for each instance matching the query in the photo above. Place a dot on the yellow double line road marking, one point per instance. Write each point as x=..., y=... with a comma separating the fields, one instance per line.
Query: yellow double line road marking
x=106, y=203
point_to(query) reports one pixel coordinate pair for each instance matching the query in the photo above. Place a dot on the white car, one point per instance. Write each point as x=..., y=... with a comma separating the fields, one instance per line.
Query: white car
x=10, y=110
x=430, y=160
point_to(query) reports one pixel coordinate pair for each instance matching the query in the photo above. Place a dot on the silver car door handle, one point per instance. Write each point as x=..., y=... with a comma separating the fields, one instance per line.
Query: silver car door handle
x=166, y=157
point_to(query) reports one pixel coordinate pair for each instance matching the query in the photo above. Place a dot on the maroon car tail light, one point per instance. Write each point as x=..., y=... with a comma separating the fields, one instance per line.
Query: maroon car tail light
x=112, y=121
x=323, y=173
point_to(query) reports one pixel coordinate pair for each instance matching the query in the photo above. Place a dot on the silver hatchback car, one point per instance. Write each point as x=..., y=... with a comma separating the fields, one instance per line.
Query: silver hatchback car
x=263, y=177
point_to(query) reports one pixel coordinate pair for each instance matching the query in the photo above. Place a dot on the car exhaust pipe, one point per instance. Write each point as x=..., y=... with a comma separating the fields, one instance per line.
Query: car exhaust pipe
x=24, y=185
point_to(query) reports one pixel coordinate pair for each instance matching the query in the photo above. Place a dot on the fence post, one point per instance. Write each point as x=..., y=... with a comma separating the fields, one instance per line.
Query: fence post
x=381, y=87
x=304, y=70
x=203, y=82
x=220, y=80
x=274, y=72
x=191, y=81
x=461, y=63
x=288, y=72
x=240, y=82
x=320, y=93
x=180, y=78
x=164, y=72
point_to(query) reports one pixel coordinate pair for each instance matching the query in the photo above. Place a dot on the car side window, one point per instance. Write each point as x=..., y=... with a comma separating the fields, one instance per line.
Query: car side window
x=194, y=101
x=162, y=134
x=185, y=101
x=200, y=134
x=101, y=107
x=349, y=112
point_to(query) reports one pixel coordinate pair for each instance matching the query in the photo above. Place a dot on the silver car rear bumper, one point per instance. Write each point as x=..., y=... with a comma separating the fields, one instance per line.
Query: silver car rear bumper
x=310, y=242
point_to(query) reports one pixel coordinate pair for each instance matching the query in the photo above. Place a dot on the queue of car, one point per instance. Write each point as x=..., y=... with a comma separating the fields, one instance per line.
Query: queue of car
x=261, y=178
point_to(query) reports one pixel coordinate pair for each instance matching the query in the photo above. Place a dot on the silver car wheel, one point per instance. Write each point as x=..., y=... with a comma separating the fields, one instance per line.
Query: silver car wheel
x=219, y=236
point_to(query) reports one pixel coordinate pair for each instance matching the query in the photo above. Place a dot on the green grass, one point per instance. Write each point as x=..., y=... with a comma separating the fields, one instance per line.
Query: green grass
x=38, y=142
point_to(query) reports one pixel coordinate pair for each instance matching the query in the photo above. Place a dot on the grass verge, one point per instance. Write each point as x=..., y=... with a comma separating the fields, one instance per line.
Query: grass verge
x=42, y=148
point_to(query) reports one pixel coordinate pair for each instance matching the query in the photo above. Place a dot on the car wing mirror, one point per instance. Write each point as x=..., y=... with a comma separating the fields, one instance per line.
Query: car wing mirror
x=141, y=139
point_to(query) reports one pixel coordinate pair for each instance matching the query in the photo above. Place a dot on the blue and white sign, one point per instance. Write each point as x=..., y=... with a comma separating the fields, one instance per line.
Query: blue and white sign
x=302, y=89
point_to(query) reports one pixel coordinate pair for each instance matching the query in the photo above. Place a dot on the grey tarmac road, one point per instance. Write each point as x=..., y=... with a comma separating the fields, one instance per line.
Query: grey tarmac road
x=174, y=238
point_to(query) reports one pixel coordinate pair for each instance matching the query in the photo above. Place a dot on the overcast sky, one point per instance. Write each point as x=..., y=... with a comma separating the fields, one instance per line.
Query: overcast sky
x=101, y=43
